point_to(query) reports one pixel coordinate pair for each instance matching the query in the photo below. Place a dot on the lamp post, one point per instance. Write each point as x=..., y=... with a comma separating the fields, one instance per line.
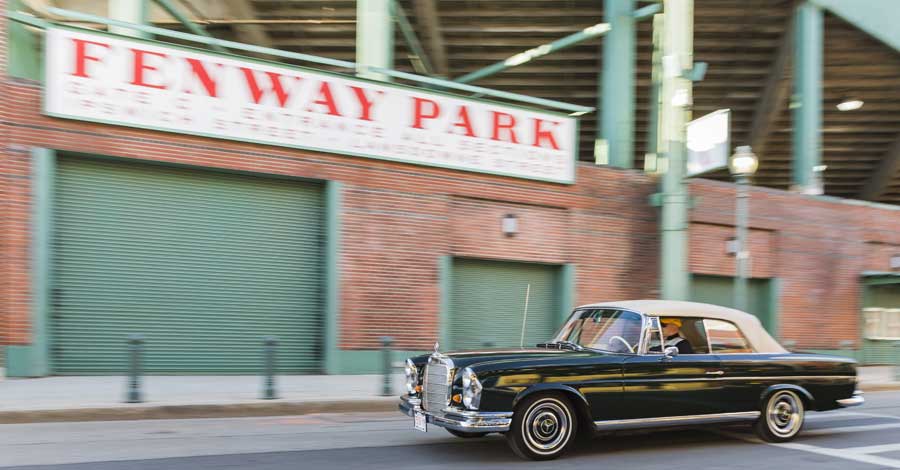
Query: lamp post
x=742, y=166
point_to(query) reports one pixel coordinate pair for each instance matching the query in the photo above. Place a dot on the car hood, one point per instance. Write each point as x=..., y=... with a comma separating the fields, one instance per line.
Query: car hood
x=494, y=356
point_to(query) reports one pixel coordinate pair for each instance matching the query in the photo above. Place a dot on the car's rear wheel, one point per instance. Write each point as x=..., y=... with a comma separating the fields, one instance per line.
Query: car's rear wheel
x=543, y=427
x=465, y=434
x=781, y=417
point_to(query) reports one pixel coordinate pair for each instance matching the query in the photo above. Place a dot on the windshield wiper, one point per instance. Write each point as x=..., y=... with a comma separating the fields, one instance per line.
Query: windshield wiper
x=563, y=345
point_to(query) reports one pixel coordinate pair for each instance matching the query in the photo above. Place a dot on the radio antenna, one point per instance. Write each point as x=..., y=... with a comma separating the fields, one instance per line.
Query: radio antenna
x=525, y=316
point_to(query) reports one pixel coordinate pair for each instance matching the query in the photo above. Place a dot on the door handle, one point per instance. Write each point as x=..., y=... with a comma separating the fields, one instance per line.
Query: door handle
x=715, y=372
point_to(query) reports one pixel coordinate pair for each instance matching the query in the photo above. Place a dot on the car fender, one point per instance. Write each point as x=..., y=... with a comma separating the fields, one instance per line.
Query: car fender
x=796, y=388
x=580, y=402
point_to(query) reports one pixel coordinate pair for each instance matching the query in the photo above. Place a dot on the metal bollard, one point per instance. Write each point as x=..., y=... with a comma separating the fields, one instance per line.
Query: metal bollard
x=386, y=389
x=269, y=345
x=135, y=347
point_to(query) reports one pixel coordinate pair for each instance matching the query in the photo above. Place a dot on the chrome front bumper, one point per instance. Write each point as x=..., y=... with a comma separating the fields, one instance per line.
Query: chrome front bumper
x=856, y=400
x=459, y=420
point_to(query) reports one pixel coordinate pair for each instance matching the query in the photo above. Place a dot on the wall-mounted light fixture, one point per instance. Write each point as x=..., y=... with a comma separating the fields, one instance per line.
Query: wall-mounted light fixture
x=731, y=246
x=850, y=104
x=510, y=225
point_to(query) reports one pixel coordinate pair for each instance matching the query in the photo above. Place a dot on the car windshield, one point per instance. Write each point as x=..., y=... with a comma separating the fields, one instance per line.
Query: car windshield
x=604, y=329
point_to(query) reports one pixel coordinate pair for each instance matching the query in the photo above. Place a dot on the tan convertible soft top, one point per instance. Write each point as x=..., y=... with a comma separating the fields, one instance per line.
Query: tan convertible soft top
x=759, y=338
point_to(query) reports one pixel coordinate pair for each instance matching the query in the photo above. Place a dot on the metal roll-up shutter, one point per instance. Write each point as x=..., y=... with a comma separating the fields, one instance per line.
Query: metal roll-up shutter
x=203, y=264
x=487, y=303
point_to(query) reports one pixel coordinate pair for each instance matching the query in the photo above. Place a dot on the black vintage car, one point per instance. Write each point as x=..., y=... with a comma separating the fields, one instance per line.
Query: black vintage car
x=627, y=365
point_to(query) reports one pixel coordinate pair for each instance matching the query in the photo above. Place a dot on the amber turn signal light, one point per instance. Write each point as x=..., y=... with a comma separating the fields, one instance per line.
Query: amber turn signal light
x=457, y=398
x=418, y=389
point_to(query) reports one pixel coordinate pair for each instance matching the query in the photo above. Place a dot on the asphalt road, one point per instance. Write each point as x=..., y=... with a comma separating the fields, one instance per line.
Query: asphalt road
x=866, y=437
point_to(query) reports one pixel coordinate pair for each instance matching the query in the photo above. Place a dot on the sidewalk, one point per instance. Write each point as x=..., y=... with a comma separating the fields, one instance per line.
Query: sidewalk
x=102, y=398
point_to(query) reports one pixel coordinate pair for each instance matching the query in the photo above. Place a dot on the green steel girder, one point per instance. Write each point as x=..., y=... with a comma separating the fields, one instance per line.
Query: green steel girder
x=807, y=101
x=878, y=18
x=176, y=13
x=616, y=98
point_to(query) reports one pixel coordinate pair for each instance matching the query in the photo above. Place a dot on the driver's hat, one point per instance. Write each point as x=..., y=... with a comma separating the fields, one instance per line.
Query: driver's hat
x=675, y=321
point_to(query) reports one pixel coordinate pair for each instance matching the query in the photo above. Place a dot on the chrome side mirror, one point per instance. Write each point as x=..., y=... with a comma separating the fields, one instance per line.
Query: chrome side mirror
x=670, y=352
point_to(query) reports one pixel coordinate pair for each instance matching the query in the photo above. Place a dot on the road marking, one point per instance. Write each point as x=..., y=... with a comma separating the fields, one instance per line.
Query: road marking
x=875, y=449
x=847, y=429
x=846, y=454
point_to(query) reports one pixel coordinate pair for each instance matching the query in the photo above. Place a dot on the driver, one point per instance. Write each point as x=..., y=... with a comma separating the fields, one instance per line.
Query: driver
x=671, y=328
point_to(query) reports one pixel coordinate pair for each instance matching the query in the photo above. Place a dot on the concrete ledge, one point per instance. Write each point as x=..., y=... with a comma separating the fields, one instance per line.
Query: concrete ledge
x=150, y=411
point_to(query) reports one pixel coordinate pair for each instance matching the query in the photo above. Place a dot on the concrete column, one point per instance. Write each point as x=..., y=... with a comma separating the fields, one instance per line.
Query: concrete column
x=807, y=100
x=616, y=101
x=132, y=11
x=374, y=37
x=678, y=58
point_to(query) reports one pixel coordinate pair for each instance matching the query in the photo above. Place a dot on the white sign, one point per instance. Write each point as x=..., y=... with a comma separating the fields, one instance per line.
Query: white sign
x=708, y=140
x=130, y=82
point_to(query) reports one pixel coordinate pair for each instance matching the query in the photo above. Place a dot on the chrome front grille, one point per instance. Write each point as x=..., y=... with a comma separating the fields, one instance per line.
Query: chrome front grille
x=436, y=385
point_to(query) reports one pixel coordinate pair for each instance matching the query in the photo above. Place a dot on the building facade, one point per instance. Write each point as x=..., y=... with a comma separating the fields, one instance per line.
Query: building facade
x=206, y=245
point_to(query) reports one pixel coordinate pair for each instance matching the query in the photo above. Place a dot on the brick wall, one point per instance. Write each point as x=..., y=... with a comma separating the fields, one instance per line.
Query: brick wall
x=818, y=247
x=398, y=220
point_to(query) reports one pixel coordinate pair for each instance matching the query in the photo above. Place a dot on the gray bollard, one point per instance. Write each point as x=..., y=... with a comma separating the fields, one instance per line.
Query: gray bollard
x=135, y=347
x=789, y=344
x=386, y=389
x=270, y=343
x=847, y=347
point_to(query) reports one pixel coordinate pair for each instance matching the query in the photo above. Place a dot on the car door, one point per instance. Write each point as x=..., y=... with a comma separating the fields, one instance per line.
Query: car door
x=745, y=371
x=656, y=385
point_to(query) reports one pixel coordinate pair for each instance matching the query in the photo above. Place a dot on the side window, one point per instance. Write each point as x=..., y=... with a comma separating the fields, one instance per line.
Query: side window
x=726, y=338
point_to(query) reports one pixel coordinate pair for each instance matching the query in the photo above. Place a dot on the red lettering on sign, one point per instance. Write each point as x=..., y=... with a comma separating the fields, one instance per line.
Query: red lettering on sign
x=137, y=74
x=81, y=56
x=199, y=70
x=463, y=121
x=541, y=134
x=326, y=98
x=504, y=122
x=256, y=92
x=365, y=104
x=419, y=113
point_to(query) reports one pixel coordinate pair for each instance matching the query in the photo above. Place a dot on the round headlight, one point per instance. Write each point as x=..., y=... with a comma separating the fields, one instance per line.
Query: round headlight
x=412, y=377
x=471, y=395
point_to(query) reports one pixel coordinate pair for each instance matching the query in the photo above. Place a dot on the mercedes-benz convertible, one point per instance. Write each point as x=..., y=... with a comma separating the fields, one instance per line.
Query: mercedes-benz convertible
x=627, y=365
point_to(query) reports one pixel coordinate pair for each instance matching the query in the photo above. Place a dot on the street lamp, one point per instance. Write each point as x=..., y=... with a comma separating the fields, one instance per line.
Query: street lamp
x=742, y=165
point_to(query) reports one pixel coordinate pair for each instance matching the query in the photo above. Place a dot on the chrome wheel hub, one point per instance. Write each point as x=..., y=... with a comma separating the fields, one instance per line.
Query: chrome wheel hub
x=784, y=414
x=546, y=426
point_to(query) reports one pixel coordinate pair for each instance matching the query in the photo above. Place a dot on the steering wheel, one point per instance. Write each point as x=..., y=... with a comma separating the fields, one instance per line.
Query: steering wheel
x=630, y=348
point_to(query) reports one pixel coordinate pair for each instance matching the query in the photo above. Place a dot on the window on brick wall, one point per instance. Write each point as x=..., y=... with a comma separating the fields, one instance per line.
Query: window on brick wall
x=882, y=323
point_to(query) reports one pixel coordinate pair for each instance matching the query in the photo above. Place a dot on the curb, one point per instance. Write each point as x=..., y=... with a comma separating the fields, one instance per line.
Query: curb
x=882, y=387
x=235, y=410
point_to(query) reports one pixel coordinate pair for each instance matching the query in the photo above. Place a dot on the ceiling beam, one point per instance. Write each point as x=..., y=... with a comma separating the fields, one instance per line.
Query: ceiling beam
x=247, y=32
x=775, y=92
x=884, y=173
x=426, y=15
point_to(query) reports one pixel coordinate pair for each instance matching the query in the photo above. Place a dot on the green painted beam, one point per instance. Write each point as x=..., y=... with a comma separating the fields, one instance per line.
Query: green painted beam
x=374, y=38
x=445, y=288
x=676, y=99
x=587, y=33
x=418, y=58
x=807, y=101
x=878, y=18
x=616, y=98
x=176, y=13
x=130, y=11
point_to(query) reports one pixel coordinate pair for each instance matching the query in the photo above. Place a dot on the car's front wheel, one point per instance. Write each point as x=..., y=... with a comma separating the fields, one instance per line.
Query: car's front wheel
x=543, y=426
x=466, y=434
x=781, y=417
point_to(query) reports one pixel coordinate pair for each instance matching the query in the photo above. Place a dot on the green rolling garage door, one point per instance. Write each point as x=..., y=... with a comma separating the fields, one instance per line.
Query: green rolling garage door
x=719, y=290
x=881, y=351
x=203, y=264
x=487, y=303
